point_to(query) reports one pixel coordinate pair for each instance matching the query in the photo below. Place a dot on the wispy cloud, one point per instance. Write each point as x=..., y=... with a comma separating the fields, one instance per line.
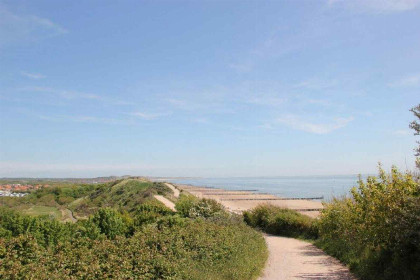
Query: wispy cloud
x=66, y=94
x=201, y=120
x=149, y=116
x=412, y=80
x=179, y=103
x=8, y=166
x=299, y=123
x=377, y=6
x=241, y=67
x=72, y=95
x=34, y=76
x=84, y=119
x=317, y=84
x=16, y=28
x=402, y=132
x=321, y=102
x=266, y=101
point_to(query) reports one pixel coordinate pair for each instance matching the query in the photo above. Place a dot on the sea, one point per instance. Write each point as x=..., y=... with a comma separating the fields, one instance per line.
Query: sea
x=284, y=186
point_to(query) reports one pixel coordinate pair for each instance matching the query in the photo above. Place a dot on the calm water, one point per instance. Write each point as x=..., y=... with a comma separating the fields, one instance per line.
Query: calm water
x=302, y=186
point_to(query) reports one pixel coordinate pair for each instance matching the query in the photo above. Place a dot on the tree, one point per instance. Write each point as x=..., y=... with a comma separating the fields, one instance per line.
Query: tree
x=415, y=125
x=109, y=222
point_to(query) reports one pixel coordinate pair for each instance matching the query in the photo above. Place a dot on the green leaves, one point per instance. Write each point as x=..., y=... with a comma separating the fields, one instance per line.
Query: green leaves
x=281, y=221
x=371, y=229
x=192, y=207
x=149, y=242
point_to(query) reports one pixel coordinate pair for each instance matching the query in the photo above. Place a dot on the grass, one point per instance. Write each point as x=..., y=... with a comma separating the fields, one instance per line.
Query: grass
x=43, y=210
x=123, y=194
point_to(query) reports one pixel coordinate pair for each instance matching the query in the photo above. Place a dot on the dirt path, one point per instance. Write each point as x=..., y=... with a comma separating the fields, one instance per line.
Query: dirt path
x=69, y=214
x=166, y=201
x=288, y=258
x=175, y=190
x=295, y=259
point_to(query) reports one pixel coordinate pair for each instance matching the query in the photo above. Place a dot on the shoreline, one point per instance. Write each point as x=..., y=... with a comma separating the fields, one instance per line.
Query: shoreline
x=238, y=201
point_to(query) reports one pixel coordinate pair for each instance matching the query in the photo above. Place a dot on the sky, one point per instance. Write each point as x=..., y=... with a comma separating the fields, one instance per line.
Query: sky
x=207, y=88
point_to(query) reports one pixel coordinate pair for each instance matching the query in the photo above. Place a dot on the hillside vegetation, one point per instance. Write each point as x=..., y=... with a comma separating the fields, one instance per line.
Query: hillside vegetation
x=85, y=199
x=126, y=234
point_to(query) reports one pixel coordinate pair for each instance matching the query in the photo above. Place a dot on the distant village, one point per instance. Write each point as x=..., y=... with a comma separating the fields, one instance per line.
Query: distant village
x=18, y=190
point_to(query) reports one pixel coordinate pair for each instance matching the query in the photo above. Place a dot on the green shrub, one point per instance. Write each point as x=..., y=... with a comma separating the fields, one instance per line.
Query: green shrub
x=197, y=249
x=376, y=230
x=139, y=238
x=193, y=207
x=150, y=212
x=46, y=230
x=110, y=222
x=281, y=221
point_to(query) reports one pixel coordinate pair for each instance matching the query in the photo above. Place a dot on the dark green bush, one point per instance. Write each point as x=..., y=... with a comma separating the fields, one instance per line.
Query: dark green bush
x=281, y=221
x=110, y=222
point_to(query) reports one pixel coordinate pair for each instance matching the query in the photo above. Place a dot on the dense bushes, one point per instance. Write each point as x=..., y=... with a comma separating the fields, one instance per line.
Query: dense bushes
x=149, y=242
x=376, y=230
x=196, y=250
x=281, y=221
x=46, y=230
x=150, y=212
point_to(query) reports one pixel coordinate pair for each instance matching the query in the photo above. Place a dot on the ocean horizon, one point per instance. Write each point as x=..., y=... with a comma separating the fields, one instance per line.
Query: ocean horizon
x=283, y=186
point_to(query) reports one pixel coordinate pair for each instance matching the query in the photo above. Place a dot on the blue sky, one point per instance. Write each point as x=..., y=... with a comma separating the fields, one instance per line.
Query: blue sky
x=207, y=88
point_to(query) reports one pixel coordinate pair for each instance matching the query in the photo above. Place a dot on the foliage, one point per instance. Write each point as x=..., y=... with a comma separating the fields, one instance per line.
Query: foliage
x=86, y=199
x=110, y=222
x=377, y=229
x=125, y=194
x=46, y=230
x=150, y=212
x=137, y=238
x=196, y=250
x=192, y=207
x=281, y=221
x=415, y=125
x=193, y=249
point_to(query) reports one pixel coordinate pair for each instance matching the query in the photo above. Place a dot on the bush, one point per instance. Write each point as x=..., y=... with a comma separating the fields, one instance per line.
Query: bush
x=193, y=207
x=197, y=249
x=110, y=222
x=150, y=212
x=376, y=230
x=131, y=241
x=281, y=221
x=46, y=230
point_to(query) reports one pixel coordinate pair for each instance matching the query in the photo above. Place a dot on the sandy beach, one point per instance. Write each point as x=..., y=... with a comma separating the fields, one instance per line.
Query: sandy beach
x=238, y=201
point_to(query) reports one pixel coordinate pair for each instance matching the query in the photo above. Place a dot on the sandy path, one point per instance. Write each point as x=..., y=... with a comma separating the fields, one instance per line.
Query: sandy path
x=295, y=259
x=166, y=201
x=288, y=258
x=175, y=190
x=69, y=214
